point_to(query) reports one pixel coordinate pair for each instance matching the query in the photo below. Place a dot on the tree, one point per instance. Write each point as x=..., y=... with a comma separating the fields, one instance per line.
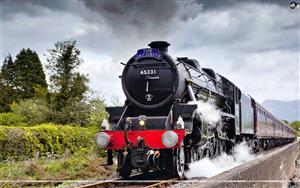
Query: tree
x=8, y=71
x=7, y=77
x=67, y=84
x=34, y=110
x=29, y=73
x=19, y=78
x=98, y=112
x=295, y=125
x=6, y=95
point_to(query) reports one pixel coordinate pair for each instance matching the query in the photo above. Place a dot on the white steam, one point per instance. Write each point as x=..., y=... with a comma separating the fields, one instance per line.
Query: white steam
x=209, y=111
x=211, y=167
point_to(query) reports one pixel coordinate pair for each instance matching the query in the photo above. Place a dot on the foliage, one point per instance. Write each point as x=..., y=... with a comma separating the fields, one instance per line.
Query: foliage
x=295, y=125
x=7, y=96
x=7, y=75
x=24, y=89
x=83, y=164
x=11, y=119
x=34, y=111
x=8, y=71
x=66, y=83
x=28, y=73
x=76, y=112
x=19, y=78
x=19, y=143
x=41, y=92
x=38, y=110
x=86, y=113
x=97, y=113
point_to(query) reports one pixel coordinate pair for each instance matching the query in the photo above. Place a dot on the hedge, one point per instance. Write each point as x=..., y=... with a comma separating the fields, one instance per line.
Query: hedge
x=11, y=119
x=19, y=143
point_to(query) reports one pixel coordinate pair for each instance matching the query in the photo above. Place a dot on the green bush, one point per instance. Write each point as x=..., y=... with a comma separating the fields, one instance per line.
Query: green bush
x=35, y=111
x=97, y=113
x=76, y=112
x=86, y=113
x=11, y=119
x=21, y=143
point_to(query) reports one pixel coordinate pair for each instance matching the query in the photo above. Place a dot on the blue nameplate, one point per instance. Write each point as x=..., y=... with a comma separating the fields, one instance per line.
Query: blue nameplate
x=148, y=53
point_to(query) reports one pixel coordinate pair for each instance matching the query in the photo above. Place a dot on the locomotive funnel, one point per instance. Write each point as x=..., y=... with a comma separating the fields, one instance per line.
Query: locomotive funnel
x=162, y=46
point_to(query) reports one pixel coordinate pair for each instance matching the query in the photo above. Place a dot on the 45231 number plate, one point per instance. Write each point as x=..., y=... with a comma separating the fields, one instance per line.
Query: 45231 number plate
x=148, y=71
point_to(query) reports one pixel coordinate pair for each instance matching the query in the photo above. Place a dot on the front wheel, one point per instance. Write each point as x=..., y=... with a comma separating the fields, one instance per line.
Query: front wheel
x=179, y=162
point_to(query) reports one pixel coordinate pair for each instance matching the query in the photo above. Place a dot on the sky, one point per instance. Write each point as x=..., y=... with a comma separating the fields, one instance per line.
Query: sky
x=255, y=44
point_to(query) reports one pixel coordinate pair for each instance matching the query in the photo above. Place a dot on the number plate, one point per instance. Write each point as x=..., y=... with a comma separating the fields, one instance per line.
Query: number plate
x=148, y=71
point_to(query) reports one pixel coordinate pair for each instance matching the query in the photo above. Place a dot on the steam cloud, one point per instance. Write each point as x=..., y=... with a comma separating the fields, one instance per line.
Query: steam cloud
x=209, y=111
x=211, y=167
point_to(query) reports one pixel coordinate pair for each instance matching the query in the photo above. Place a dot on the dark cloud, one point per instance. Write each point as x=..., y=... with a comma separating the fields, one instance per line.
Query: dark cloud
x=10, y=8
x=220, y=4
x=37, y=8
x=144, y=18
x=131, y=22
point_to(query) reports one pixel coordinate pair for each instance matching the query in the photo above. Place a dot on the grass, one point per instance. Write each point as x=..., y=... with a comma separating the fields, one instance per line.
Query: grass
x=82, y=165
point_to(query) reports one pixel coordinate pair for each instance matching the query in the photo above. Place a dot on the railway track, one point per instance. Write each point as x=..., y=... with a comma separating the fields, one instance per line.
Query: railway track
x=152, y=180
x=132, y=183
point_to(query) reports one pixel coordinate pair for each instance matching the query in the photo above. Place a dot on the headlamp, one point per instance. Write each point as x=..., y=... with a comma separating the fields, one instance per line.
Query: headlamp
x=142, y=120
x=169, y=139
x=102, y=139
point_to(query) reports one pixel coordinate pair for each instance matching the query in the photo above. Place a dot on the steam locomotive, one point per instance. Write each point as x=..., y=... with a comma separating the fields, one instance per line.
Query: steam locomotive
x=161, y=126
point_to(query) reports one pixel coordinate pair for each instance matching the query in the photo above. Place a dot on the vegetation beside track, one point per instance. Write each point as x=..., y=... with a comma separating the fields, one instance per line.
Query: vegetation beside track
x=23, y=143
x=82, y=165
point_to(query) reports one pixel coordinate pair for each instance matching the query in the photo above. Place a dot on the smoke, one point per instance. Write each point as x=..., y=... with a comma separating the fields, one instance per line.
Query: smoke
x=209, y=111
x=211, y=167
x=136, y=23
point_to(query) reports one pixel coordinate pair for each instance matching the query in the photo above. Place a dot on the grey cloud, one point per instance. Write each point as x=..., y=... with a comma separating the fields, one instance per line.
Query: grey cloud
x=251, y=28
x=136, y=23
x=39, y=24
x=10, y=8
x=144, y=18
x=254, y=44
x=129, y=23
x=36, y=8
x=220, y=4
x=243, y=40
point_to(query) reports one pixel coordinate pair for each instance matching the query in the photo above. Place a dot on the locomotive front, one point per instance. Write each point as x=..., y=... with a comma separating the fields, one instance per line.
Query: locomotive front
x=147, y=133
x=151, y=79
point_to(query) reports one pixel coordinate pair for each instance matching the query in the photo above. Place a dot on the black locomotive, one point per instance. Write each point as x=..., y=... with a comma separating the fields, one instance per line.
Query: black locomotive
x=161, y=126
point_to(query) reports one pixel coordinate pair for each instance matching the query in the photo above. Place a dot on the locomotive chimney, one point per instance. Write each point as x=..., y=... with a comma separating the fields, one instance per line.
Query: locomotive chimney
x=162, y=46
